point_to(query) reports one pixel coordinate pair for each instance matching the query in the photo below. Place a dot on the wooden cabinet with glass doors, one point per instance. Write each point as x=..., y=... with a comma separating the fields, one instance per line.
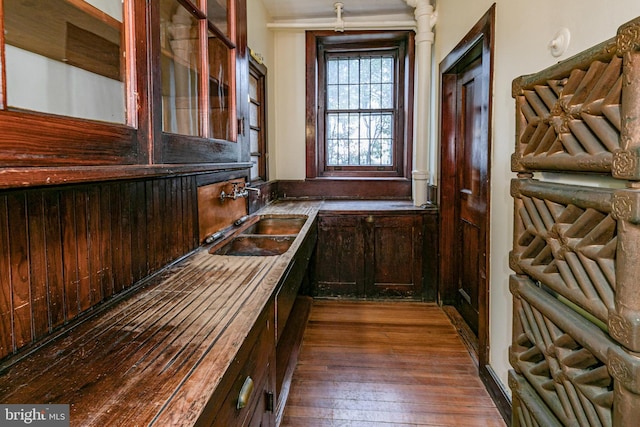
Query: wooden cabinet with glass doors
x=203, y=75
x=122, y=82
x=197, y=57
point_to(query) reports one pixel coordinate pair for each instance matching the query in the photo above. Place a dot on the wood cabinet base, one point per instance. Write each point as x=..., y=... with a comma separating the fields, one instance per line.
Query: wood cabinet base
x=288, y=349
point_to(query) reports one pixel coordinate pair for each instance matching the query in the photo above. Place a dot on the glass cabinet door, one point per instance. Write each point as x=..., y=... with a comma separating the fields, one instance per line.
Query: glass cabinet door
x=197, y=65
x=61, y=56
x=180, y=69
x=220, y=87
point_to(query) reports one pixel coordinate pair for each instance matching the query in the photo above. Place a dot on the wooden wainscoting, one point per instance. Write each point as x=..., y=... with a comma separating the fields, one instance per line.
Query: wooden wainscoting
x=66, y=249
x=384, y=364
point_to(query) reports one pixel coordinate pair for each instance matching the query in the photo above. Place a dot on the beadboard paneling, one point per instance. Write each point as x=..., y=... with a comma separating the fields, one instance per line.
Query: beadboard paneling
x=67, y=249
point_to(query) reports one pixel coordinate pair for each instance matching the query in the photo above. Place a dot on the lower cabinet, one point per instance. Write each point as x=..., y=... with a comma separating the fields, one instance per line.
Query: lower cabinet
x=254, y=389
x=289, y=286
x=247, y=390
x=263, y=414
x=373, y=255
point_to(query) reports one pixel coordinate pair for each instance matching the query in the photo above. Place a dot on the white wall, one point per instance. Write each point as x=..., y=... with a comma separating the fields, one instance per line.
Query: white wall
x=110, y=7
x=37, y=83
x=260, y=40
x=523, y=31
x=289, y=111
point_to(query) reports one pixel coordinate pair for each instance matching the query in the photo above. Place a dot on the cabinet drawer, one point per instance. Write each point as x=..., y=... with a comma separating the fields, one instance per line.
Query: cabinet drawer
x=256, y=363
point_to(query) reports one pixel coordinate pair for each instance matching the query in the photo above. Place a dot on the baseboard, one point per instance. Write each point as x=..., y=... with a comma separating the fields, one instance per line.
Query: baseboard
x=497, y=392
x=464, y=331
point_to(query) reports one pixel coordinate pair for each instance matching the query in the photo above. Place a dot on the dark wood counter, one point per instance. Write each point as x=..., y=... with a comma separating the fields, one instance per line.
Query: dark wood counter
x=161, y=355
x=157, y=357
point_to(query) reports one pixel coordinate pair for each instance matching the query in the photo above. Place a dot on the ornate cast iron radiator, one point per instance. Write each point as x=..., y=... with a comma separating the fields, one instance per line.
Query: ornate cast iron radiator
x=576, y=249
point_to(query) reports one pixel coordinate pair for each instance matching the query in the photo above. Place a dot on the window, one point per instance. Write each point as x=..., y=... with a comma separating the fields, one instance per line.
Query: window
x=363, y=104
x=360, y=112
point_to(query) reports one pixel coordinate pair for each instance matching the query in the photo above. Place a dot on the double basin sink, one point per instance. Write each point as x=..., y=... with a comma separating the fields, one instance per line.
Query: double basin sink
x=265, y=235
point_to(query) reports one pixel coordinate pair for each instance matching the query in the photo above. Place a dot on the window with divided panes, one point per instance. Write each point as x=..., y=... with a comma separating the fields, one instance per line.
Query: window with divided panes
x=362, y=103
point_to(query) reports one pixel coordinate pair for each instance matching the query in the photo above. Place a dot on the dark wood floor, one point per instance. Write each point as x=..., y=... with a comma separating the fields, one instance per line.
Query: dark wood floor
x=385, y=364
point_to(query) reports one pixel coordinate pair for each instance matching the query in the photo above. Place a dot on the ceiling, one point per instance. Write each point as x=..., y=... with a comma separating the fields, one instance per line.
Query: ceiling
x=281, y=10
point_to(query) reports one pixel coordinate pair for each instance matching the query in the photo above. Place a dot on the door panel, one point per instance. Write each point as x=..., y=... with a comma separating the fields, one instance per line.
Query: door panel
x=468, y=284
x=466, y=74
x=395, y=258
x=340, y=259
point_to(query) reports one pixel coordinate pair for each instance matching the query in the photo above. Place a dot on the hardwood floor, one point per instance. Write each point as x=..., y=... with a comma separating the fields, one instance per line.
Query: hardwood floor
x=385, y=364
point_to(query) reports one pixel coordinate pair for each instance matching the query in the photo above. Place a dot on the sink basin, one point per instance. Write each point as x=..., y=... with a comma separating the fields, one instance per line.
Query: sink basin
x=266, y=235
x=256, y=245
x=277, y=225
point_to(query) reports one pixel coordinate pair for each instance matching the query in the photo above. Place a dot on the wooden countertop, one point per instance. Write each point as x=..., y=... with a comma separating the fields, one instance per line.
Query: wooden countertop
x=157, y=356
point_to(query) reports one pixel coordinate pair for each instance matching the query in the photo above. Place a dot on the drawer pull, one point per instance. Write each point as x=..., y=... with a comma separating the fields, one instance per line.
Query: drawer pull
x=245, y=393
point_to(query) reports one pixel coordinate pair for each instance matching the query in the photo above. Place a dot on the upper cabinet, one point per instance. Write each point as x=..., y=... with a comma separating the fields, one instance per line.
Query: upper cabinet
x=202, y=77
x=61, y=55
x=122, y=82
x=68, y=80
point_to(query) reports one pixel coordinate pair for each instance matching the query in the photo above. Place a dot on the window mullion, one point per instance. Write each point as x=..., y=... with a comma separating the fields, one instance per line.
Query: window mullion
x=129, y=68
x=3, y=68
x=232, y=71
x=205, y=115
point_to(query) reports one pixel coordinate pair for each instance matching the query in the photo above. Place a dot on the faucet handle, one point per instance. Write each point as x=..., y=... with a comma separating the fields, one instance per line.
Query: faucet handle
x=233, y=195
x=248, y=188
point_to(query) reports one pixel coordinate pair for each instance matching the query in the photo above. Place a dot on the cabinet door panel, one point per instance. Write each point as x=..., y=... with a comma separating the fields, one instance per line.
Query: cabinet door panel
x=396, y=256
x=340, y=259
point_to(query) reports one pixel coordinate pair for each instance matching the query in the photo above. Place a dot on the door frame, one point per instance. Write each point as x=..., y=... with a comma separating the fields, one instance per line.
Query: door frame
x=482, y=34
x=259, y=71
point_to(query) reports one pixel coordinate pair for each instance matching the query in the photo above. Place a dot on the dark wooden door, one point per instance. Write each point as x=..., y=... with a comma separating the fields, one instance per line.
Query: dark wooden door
x=394, y=260
x=471, y=158
x=466, y=74
x=340, y=256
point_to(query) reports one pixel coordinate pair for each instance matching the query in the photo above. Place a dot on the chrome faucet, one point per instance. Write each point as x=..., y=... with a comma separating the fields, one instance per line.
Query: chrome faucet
x=238, y=192
x=233, y=195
